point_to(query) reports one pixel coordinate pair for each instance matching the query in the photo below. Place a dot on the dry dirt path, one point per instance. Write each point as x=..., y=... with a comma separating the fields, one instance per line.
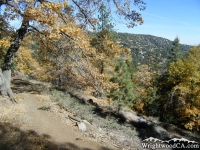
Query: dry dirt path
x=24, y=126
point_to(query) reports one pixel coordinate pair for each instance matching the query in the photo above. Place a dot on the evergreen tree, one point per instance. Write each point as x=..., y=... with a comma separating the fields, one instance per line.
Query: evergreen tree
x=104, y=34
x=105, y=25
x=175, y=52
x=104, y=19
x=123, y=76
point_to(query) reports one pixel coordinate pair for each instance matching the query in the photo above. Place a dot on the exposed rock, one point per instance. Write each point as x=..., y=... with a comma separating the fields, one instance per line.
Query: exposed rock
x=132, y=116
x=81, y=126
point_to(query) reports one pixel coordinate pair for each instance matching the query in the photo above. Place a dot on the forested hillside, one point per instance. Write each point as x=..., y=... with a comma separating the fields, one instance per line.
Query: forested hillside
x=123, y=71
x=148, y=49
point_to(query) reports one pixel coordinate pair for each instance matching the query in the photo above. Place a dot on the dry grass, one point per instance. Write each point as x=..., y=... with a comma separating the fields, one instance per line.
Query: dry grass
x=9, y=111
x=119, y=133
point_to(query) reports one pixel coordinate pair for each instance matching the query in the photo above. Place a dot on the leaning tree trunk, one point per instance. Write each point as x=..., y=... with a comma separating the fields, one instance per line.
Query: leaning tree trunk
x=6, y=69
x=14, y=46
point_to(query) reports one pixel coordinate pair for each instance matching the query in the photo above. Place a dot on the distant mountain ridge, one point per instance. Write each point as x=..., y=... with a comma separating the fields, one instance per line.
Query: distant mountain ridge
x=148, y=49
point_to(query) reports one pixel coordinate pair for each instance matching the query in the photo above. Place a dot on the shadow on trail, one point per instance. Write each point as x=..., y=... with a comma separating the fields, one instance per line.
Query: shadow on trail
x=12, y=138
x=21, y=86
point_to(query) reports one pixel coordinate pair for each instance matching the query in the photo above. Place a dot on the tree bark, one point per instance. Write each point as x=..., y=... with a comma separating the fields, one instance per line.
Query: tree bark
x=14, y=46
x=3, y=2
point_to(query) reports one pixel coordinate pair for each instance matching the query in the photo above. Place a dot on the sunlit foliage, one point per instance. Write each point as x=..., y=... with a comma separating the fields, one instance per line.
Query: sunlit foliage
x=144, y=88
x=64, y=49
x=182, y=104
x=25, y=61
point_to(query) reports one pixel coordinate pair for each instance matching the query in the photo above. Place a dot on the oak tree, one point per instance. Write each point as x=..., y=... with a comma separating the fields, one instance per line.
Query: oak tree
x=48, y=19
x=180, y=91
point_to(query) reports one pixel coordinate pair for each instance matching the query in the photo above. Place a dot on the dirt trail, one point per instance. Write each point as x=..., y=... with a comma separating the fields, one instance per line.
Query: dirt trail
x=24, y=126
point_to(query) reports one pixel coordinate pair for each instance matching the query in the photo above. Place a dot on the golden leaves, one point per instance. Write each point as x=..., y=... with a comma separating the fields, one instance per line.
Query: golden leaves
x=143, y=76
x=190, y=114
x=46, y=13
x=189, y=125
x=52, y=7
x=5, y=43
x=140, y=20
x=62, y=44
x=185, y=95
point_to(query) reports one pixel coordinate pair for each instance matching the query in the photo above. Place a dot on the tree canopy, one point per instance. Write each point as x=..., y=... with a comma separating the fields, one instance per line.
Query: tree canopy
x=59, y=29
x=45, y=16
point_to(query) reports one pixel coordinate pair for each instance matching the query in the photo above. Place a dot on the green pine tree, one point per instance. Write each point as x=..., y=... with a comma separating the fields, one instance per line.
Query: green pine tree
x=105, y=25
x=175, y=52
x=123, y=76
x=104, y=31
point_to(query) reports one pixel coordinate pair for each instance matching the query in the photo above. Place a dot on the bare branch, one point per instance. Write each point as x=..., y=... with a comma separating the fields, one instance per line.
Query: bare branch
x=83, y=12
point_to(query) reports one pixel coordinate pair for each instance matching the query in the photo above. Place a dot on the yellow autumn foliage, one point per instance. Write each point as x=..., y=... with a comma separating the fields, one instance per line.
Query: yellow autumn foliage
x=4, y=43
x=144, y=87
x=25, y=62
x=185, y=95
x=104, y=56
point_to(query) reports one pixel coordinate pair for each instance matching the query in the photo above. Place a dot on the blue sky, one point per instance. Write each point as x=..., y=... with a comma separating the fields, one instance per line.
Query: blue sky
x=168, y=19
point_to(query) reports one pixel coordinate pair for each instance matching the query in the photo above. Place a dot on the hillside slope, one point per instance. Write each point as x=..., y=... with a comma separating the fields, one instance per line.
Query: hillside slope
x=148, y=49
x=41, y=120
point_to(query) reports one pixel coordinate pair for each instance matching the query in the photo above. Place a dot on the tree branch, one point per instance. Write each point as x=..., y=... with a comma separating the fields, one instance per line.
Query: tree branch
x=82, y=11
